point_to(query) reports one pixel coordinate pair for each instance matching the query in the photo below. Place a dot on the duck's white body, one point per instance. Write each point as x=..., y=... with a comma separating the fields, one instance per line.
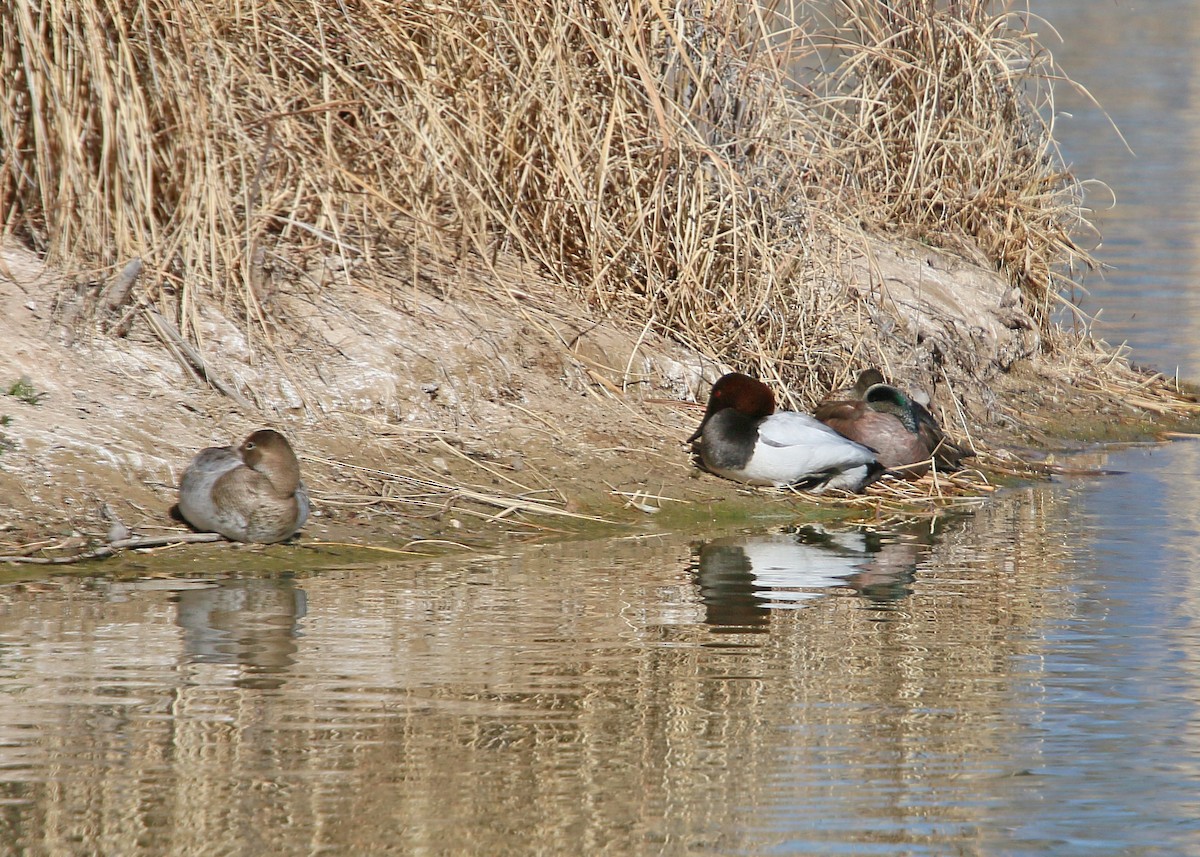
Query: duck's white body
x=786, y=448
x=741, y=438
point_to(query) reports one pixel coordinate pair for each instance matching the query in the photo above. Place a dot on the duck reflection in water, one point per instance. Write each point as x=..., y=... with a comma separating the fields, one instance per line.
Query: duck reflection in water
x=742, y=578
x=246, y=622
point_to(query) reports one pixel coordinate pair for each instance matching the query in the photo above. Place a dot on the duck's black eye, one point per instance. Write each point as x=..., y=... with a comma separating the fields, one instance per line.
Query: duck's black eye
x=249, y=445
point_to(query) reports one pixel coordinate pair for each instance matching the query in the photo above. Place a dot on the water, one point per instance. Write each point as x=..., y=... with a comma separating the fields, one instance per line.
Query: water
x=1023, y=681
x=1018, y=682
x=1140, y=63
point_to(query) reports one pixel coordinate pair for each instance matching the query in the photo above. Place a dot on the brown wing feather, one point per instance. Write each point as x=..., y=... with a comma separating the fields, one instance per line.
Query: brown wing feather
x=895, y=445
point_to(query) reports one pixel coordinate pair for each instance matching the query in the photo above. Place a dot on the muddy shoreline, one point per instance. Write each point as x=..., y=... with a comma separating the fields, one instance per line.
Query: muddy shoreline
x=529, y=419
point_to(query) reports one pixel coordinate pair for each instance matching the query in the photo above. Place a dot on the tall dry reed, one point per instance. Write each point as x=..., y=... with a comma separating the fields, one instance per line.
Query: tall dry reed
x=672, y=162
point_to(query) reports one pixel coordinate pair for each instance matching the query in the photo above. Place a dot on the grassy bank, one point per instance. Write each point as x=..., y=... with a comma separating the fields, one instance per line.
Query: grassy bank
x=480, y=260
x=696, y=167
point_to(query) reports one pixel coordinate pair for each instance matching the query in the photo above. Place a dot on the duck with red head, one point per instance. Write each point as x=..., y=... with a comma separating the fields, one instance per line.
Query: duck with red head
x=743, y=438
x=900, y=429
x=249, y=494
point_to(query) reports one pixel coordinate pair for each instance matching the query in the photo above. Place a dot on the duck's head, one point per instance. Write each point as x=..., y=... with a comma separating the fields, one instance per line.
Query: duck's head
x=867, y=379
x=887, y=399
x=744, y=394
x=269, y=452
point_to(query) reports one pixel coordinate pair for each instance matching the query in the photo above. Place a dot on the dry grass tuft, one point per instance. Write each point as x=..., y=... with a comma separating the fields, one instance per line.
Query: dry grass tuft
x=942, y=122
x=670, y=161
x=935, y=494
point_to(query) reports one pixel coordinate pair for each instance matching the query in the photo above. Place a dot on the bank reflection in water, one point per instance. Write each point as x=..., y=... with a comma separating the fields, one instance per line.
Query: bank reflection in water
x=742, y=578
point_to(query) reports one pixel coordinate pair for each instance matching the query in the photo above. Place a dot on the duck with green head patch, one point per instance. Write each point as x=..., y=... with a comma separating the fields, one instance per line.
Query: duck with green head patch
x=902, y=431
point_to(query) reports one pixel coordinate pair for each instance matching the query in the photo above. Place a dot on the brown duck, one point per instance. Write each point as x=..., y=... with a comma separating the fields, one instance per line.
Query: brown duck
x=251, y=493
x=902, y=432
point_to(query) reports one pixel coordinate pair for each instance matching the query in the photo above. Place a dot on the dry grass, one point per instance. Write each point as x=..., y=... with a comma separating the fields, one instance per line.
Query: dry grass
x=673, y=162
x=943, y=123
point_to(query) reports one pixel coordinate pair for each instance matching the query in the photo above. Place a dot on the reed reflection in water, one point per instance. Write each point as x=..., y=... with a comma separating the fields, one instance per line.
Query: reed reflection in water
x=577, y=698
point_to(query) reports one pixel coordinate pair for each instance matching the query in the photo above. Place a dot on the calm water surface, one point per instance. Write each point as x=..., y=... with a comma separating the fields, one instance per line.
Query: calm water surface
x=1140, y=61
x=1023, y=681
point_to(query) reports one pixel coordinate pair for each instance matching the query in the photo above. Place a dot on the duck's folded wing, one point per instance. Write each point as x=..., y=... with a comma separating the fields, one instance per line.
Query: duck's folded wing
x=836, y=410
x=946, y=452
x=799, y=435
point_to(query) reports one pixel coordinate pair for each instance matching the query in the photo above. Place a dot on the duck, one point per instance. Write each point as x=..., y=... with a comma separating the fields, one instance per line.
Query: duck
x=900, y=429
x=249, y=493
x=743, y=438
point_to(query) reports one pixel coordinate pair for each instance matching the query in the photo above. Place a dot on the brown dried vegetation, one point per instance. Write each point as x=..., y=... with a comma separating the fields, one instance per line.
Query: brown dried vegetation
x=717, y=174
x=693, y=166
